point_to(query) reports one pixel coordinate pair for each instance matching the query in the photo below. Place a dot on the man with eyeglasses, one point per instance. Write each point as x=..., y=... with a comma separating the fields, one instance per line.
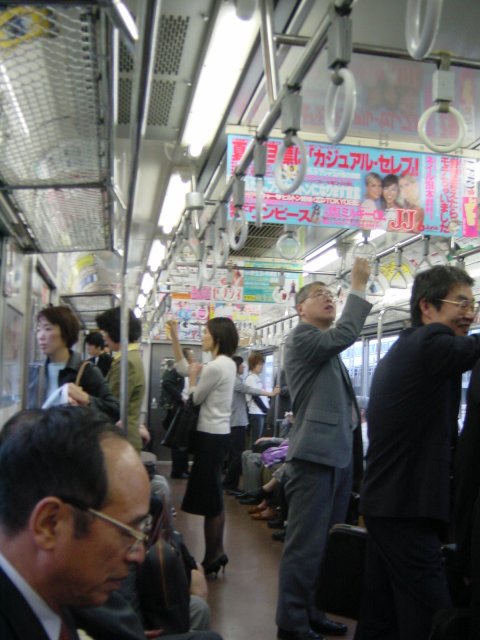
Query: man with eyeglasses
x=74, y=501
x=412, y=428
x=320, y=461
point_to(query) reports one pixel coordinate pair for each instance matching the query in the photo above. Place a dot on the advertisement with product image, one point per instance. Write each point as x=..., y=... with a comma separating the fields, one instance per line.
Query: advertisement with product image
x=367, y=188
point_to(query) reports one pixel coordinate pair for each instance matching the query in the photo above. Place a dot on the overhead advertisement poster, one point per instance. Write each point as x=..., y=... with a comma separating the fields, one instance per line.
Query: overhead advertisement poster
x=367, y=188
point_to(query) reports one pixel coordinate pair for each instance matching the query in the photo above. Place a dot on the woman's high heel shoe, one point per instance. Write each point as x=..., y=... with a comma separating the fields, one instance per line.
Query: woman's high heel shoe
x=216, y=565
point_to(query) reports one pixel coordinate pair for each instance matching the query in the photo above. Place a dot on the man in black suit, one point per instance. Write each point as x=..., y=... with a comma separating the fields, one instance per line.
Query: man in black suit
x=74, y=500
x=412, y=429
x=171, y=398
x=95, y=346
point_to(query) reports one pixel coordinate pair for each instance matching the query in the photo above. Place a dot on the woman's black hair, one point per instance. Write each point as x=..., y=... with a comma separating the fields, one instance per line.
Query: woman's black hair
x=224, y=334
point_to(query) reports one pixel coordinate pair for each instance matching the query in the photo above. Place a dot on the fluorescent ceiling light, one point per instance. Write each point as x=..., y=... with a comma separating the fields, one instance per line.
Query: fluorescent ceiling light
x=157, y=254
x=231, y=42
x=174, y=203
x=147, y=283
x=321, y=260
x=319, y=251
x=374, y=234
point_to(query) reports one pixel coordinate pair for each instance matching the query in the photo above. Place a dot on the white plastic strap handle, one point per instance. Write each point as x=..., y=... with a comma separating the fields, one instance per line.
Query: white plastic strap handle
x=420, y=42
x=239, y=218
x=422, y=130
x=221, y=249
x=259, y=199
x=281, y=179
x=336, y=134
x=208, y=274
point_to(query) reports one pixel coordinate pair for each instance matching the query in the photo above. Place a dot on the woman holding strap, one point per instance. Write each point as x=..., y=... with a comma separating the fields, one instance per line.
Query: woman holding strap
x=214, y=393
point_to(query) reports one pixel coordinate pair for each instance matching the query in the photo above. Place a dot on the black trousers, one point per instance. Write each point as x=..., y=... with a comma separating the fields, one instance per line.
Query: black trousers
x=234, y=467
x=179, y=458
x=405, y=581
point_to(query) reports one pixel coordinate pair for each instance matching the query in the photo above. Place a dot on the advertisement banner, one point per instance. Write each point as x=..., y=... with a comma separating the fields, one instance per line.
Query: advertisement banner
x=367, y=188
x=265, y=286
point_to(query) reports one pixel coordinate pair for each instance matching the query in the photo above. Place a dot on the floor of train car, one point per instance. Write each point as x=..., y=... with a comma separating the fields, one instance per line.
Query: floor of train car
x=243, y=599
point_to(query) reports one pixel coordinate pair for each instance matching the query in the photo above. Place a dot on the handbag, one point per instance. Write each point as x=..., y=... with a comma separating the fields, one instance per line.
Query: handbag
x=181, y=431
x=163, y=589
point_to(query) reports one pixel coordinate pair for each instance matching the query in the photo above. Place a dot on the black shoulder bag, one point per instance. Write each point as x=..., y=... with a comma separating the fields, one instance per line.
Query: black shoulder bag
x=181, y=431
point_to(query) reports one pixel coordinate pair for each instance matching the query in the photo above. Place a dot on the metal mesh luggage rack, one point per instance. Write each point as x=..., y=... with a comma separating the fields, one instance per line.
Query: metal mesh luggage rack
x=53, y=134
x=88, y=305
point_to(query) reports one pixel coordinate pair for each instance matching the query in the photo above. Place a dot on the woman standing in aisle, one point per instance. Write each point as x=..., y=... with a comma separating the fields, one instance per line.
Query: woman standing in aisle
x=257, y=408
x=214, y=393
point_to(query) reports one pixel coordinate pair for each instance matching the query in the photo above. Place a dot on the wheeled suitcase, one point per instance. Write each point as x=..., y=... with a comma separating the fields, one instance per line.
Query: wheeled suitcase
x=341, y=583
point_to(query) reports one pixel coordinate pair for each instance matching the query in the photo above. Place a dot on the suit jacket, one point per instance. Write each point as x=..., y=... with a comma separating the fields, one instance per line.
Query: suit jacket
x=239, y=415
x=104, y=362
x=467, y=475
x=92, y=382
x=322, y=395
x=17, y=620
x=412, y=423
x=136, y=390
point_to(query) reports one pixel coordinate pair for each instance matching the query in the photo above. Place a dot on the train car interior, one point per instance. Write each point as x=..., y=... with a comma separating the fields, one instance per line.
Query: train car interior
x=193, y=159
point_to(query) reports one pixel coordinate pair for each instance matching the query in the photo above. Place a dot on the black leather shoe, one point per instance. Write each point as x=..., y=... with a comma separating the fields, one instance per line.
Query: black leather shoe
x=329, y=627
x=180, y=476
x=279, y=523
x=234, y=492
x=250, y=500
x=279, y=536
x=283, y=634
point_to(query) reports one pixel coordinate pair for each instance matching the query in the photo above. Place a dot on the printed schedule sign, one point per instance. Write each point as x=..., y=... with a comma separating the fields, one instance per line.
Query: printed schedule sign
x=367, y=188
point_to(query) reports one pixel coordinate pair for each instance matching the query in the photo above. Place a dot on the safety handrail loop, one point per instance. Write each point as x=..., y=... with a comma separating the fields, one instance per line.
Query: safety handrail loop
x=420, y=40
x=208, y=255
x=237, y=242
x=398, y=277
x=339, y=56
x=222, y=245
x=282, y=176
x=291, y=112
x=259, y=169
x=374, y=286
x=340, y=77
x=443, y=87
x=288, y=245
x=422, y=129
x=425, y=262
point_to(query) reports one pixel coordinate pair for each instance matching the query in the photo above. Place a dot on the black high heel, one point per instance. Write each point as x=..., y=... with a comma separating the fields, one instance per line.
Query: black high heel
x=216, y=565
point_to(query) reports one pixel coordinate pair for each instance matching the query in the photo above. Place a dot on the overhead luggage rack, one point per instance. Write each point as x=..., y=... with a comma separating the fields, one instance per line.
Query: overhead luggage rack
x=53, y=126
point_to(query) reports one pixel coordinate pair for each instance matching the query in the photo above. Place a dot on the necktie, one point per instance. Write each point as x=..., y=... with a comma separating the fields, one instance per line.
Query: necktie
x=64, y=632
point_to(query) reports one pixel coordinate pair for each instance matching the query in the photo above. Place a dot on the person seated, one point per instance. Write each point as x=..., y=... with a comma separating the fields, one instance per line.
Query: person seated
x=79, y=525
x=252, y=462
x=64, y=370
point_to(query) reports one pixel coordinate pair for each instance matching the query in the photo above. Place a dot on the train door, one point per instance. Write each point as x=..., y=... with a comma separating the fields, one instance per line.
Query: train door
x=12, y=327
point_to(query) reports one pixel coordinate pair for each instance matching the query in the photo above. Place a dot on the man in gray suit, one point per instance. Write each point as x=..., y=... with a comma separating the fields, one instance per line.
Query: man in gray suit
x=319, y=467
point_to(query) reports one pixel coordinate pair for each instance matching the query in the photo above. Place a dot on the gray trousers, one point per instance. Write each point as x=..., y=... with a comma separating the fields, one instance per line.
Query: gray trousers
x=317, y=498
